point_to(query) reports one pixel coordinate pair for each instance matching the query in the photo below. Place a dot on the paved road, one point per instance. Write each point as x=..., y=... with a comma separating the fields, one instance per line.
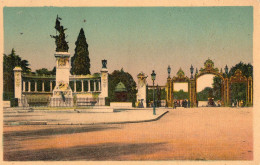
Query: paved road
x=182, y=134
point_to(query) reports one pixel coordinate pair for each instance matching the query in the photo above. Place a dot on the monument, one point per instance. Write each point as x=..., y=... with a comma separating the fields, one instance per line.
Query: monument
x=18, y=83
x=141, y=88
x=62, y=93
x=104, y=79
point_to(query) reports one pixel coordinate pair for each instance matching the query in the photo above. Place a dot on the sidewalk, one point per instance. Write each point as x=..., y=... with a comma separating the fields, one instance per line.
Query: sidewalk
x=81, y=116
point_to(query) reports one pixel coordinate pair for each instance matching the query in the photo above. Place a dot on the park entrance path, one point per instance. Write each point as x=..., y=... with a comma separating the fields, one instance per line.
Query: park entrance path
x=181, y=134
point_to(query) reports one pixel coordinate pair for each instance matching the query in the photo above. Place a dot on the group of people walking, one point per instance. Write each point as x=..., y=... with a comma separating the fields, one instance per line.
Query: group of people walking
x=181, y=103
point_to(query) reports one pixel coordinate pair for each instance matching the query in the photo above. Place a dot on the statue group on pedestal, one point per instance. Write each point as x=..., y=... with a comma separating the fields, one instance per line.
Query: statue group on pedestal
x=61, y=44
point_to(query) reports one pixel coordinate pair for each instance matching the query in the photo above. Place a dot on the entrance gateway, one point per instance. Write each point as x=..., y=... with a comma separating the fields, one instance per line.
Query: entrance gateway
x=209, y=68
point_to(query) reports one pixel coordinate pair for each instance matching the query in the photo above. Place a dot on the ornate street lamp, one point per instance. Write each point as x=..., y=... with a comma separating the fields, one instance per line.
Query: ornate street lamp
x=191, y=71
x=226, y=70
x=153, y=76
x=169, y=71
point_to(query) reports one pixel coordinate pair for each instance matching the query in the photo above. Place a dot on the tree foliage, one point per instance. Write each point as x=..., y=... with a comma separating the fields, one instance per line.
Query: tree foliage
x=10, y=62
x=247, y=69
x=180, y=95
x=45, y=71
x=205, y=94
x=238, y=90
x=217, y=81
x=80, y=62
x=127, y=80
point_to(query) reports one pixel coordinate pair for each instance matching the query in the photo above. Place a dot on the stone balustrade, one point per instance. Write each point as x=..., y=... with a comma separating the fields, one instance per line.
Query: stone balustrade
x=32, y=83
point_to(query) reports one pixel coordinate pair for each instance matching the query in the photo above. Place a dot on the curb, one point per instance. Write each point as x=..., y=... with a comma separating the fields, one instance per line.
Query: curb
x=46, y=123
x=125, y=122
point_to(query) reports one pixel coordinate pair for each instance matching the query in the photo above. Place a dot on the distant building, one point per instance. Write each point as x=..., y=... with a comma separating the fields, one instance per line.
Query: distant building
x=121, y=92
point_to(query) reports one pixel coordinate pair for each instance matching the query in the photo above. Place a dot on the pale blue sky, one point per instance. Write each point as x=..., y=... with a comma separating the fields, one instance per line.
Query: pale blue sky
x=135, y=38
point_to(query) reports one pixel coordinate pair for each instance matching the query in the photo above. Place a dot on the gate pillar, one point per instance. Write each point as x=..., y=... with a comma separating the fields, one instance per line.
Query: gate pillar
x=227, y=95
x=169, y=93
x=249, y=91
x=192, y=93
x=223, y=98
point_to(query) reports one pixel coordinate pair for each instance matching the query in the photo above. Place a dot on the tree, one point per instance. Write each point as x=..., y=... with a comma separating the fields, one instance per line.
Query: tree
x=205, y=94
x=217, y=87
x=80, y=62
x=10, y=62
x=127, y=80
x=45, y=71
x=247, y=69
x=238, y=90
x=180, y=95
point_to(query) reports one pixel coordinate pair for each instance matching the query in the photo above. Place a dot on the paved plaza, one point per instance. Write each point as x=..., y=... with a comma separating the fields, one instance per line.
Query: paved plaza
x=100, y=115
x=181, y=134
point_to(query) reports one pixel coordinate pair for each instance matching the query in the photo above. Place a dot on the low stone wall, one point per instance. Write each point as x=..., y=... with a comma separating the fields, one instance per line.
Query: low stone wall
x=121, y=104
x=6, y=104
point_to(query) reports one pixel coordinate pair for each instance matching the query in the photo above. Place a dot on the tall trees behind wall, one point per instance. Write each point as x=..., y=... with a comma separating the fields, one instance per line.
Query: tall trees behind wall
x=80, y=62
x=127, y=80
x=9, y=63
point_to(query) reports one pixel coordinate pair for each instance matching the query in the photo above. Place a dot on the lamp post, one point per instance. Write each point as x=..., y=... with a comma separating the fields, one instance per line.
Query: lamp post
x=169, y=71
x=191, y=71
x=153, y=76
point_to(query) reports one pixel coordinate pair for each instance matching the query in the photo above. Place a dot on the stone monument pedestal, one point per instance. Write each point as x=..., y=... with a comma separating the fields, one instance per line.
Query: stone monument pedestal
x=104, y=83
x=141, y=87
x=62, y=93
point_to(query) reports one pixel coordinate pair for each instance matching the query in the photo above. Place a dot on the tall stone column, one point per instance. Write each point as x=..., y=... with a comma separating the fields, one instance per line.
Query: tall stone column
x=62, y=90
x=104, y=79
x=141, y=87
x=29, y=86
x=35, y=86
x=43, y=86
x=24, y=86
x=89, y=86
x=50, y=86
x=75, y=86
x=18, y=82
x=99, y=83
x=82, y=86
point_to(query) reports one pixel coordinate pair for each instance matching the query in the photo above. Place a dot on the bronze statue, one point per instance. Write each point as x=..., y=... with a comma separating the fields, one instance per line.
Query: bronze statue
x=61, y=44
x=104, y=63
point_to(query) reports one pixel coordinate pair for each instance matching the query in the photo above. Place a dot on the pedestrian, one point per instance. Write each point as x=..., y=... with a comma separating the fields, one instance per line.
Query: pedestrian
x=175, y=104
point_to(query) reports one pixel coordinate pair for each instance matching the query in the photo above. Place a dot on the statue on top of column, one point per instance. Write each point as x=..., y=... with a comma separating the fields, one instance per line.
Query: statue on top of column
x=61, y=44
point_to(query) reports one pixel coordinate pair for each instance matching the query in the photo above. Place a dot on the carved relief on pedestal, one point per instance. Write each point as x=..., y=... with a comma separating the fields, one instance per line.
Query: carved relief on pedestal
x=63, y=61
x=18, y=80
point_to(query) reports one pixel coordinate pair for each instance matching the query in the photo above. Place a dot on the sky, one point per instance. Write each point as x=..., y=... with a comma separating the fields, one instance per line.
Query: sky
x=135, y=38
